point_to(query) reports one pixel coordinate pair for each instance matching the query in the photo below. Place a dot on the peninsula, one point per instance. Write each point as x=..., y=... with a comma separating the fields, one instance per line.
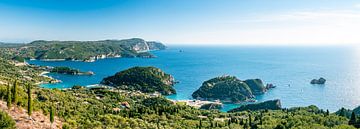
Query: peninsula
x=70, y=71
x=87, y=51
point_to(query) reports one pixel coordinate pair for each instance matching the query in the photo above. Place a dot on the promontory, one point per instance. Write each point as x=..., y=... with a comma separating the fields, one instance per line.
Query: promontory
x=229, y=89
x=87, y=51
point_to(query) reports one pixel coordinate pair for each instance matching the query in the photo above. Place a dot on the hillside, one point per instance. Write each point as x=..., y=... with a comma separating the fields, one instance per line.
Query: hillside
x=25, y=73
x=145, y=79
x=40, y=121
x=229, y=89
x=99, y=108
x=83, y=50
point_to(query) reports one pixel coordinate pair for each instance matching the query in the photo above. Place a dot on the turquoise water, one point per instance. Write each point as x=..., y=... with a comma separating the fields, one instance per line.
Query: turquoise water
x=282, y=66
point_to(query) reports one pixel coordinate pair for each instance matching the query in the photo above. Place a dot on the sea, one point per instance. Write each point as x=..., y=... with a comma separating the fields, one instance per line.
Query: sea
x=289, y=68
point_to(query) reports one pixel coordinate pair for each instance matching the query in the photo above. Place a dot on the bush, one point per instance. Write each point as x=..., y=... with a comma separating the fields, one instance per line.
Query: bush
x=6, y=122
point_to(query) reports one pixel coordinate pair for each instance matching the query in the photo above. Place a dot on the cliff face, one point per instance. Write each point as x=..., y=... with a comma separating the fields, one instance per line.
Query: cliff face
x=145, y=79
x=156, y=45
x=267, y=105
x=256, y=85
x=229, y=89
x=87, y=50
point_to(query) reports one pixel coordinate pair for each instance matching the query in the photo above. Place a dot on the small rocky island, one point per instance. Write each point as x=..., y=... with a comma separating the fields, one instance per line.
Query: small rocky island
x=70, y=71
x=144, y=79
x=318, y=81
x=229, y=89
x=267, y=105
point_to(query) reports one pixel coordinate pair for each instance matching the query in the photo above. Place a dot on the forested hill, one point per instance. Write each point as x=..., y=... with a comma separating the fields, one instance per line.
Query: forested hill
x=82, y=50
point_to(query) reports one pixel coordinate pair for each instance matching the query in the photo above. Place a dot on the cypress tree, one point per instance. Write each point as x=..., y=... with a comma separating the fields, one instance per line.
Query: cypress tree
x=261, y=117
x=342, y=112
x=14, y=93
x=250, y=120
x=241, y=122
x=246, y=124
x=327, y=112
x=51, y=116
x=8, y=99
x=200, y=124
x=352, y=120
x=29, y=108
x=158, y=124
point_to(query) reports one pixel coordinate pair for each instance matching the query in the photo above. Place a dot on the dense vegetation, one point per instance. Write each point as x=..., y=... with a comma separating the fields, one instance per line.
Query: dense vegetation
x=229, y=89
x=81, y=50
x=107, y=108
x=145, y=79
x=6, y=122
x=8, y=71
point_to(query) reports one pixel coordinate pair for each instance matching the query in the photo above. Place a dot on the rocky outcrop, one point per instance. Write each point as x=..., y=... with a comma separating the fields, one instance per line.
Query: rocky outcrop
x=256, y=85
x=145, y=79
x=155, y=45
x=267, y=105
x=318, y=81
x=229, y=89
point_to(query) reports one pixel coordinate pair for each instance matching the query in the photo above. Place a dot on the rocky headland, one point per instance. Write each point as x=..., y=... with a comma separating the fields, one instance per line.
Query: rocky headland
x=144, y=79
x=230, y=89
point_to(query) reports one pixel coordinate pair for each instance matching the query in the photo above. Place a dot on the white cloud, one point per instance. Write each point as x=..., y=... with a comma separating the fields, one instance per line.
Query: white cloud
x=291, y=28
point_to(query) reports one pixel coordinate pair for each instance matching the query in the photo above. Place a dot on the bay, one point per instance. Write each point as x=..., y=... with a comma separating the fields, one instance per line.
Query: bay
x=289, y=68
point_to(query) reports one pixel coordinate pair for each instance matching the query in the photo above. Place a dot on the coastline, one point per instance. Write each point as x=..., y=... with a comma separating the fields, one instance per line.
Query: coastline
x=53, y=80
x=195, y=103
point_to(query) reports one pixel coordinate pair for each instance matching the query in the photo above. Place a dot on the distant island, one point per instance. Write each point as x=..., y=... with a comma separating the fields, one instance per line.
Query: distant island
x=145, y=79
x=230, y=89
x=87, y=51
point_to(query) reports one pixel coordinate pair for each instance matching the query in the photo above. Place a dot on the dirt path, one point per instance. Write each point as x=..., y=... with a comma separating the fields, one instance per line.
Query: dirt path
x=40, y=121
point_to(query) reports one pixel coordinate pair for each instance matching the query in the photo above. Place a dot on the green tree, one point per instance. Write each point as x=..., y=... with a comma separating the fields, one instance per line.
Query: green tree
x=6, y=122
x=52, y=115
x=327, y=112
x=8, y=100
x=261, y=118
x=14, y=92
x=29, y=108
x=200, y=123
x=280, y=126
x=250, y=124
x=352, y=120
x=342, y=112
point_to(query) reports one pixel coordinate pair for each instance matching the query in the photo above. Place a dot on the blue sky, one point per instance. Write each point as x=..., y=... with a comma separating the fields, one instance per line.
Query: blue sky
x=283, y=22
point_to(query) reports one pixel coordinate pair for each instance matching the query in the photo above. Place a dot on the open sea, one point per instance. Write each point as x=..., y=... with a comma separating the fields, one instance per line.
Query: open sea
x=289, y=68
